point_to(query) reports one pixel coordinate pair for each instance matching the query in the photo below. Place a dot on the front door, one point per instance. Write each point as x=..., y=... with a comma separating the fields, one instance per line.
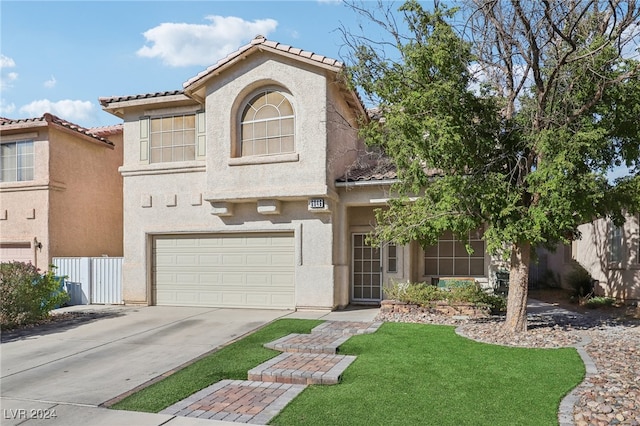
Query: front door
x=366, y=275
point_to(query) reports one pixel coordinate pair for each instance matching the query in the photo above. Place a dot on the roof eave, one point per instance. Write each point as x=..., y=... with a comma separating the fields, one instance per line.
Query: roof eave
x=118, y=108
x=381, y=182
x=193, y=86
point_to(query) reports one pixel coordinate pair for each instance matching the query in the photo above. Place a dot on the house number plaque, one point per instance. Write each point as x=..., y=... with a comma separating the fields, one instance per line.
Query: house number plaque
x=316, y=203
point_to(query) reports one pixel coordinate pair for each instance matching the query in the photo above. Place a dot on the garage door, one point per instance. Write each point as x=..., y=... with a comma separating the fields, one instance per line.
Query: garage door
x=16, y=252
x=244, y=270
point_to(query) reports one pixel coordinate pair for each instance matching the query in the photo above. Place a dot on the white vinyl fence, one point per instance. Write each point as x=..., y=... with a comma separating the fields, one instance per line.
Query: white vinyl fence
x=91, y=279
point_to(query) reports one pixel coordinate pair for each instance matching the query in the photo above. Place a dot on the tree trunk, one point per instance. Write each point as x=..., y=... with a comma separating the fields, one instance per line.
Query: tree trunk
x=518, y=289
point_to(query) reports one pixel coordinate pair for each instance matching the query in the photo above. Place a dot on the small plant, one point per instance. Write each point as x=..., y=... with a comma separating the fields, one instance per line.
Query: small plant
x=580, y=282
x=26, y=295
x=424, y=295
x=599, y=302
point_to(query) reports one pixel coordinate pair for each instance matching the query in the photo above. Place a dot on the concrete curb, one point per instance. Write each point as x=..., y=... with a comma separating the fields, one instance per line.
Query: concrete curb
x=565, y=412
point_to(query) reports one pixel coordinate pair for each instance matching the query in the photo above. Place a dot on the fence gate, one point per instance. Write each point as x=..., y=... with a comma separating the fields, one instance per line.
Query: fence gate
x=91, y=279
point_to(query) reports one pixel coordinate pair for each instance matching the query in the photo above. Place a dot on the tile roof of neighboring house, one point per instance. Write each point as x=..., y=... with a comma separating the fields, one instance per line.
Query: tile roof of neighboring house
x=50, y=118
x=107, y=100
x=106, y=131
x=381, y=171
x=260, y=40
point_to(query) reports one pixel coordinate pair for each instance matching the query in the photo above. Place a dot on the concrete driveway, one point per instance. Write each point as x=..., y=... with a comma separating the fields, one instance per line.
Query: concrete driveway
x=91, y=362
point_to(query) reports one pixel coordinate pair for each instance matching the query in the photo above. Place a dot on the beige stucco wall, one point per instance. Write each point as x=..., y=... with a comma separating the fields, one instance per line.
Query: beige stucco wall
x=158, y=204
x=73, y=206
x=288, y=175
x=621, y=281
x=172, y=198
x=24, y=206
x=85, y=217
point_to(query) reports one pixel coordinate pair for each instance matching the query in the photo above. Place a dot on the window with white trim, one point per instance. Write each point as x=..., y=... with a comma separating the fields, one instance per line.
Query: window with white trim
x=449, y=256
x=172, y=138
x=267, y=125
x=16, y=161
x=178, y=137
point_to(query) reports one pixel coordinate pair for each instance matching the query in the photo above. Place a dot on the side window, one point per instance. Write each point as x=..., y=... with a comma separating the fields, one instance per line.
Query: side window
x=267, y=125
x=392, y=257
x=616, y=248
x=172, y=138
x=16, y=161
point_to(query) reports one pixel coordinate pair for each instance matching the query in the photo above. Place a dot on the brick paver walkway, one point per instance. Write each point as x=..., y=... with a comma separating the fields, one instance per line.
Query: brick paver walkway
x=306, y=359
x=317, y=343
x=302, y=368
x=237, y=401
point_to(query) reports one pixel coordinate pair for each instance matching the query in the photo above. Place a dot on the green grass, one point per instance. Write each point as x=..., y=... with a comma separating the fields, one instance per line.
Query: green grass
x=410, y=374
x=231, y=362
x=404, y=374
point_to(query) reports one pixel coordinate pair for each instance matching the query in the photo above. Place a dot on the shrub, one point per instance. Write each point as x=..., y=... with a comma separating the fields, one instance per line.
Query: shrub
x=26, y=295
x=599, y=302
x=580, y=281
x=425, y=295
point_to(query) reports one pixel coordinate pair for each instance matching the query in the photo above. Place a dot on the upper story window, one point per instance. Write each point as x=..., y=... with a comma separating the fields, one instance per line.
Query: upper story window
x=166, y=139
x=16, y=161
x=172, y=139
x=267, y=125
x=449, y=257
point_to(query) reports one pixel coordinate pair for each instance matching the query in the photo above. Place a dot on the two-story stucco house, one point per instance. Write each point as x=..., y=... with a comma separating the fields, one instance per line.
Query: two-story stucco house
x=249, y=188
x=60, y=190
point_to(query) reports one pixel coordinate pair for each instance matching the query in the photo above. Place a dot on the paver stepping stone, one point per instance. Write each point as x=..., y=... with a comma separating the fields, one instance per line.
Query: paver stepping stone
x=317, y=343
x=237, y=401
x=350, y=328
x=302, y=368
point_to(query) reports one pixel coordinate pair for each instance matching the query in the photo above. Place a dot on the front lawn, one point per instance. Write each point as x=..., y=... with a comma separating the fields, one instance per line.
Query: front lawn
x=404, y=374
x=412, y=374
x=231, y=362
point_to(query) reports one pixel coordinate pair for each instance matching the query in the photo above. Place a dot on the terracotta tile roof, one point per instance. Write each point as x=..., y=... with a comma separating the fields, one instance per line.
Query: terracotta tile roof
x=50, y=118
x=381, y=171
x=106, y=131
x=104, y=101
x=260, y=40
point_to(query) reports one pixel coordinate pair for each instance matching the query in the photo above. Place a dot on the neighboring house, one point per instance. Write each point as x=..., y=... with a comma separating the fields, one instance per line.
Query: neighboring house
x=60, y=190
x=250, y=188
x=611, y=254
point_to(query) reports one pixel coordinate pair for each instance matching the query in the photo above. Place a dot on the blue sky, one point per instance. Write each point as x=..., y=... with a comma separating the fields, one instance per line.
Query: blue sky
x=60, y=57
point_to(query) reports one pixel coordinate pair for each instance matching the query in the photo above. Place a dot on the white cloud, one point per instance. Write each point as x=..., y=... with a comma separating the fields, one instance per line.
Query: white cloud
x=6, y=62
x=50, y=83
x=72, y=110
x=181, y=44
x=7, y=78
x=6, y=109
x=330, y=1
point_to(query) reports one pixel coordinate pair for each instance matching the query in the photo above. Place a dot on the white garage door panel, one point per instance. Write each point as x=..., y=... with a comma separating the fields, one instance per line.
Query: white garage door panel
x=16, y=252
x=249, y=270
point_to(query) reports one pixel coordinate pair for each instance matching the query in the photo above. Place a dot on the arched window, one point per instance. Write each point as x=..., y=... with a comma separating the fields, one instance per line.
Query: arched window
x=267, y=125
